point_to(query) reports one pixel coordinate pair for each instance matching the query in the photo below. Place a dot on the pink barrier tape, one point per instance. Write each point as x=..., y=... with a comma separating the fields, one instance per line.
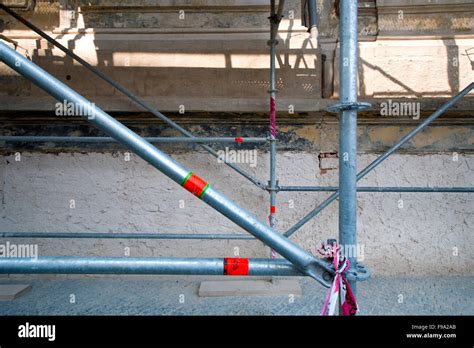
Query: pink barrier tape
x=274, y=254
x=340, y=287
x=272, y=117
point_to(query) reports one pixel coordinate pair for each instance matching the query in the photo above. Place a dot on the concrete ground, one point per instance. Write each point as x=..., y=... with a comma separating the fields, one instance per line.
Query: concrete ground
x=158, y=296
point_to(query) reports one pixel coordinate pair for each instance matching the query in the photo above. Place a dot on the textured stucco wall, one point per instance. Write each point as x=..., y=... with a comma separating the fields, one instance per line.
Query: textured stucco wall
x=113, y=195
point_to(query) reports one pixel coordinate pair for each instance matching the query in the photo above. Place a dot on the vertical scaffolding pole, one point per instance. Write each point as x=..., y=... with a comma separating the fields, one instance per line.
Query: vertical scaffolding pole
x=274, y=21
x=348, y=130
x=312, y=18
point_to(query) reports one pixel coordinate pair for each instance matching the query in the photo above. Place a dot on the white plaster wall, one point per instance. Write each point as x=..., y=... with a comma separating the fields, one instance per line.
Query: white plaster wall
x=112, y=195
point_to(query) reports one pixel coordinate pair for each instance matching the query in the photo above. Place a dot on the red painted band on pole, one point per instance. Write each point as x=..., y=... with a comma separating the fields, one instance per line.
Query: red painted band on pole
x=272, y=117
x=239, y=140
x=195, y=185
x=273, y=209
x=236, y=266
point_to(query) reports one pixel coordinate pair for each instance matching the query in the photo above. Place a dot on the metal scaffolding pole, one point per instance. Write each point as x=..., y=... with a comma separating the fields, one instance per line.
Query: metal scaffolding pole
x=145, y=265
x=380, y=189
x=275, y=19
x=380, y=159
x=102, y=235
x=312, y=18
x=318, y=269
x=348, y=131
x=65, y=139
x=140, y=102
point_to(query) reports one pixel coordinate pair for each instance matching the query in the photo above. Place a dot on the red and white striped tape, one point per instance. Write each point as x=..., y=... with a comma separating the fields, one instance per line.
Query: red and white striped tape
x=340, y=287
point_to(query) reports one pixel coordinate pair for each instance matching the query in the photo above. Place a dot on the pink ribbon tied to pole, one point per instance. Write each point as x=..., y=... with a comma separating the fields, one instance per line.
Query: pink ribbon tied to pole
x=340, y=287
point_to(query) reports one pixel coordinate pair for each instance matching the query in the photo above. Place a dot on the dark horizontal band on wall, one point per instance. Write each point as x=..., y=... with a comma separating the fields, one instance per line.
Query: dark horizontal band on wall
x=197, y=108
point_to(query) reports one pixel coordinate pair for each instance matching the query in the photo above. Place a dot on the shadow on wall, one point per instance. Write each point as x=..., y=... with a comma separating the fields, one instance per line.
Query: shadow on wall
x=452, y=67
x=470, y=55
x=182, y=65
x=362, y=89
x=452, y=64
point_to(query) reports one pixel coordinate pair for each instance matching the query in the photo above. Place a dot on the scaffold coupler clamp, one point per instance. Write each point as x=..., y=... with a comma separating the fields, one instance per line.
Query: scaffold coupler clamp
x=348, y=106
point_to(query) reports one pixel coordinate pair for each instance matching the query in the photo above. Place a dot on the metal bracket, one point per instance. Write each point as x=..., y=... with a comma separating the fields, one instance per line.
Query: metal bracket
x=270, y=139
x=359, y=274
x=269, y=186
x=275, y=18
x=358, y=106
x=272, y=42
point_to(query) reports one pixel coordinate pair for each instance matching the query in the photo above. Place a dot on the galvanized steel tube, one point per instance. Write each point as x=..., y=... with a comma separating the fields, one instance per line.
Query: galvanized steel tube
x=380, y=189
x=312, y=18
x=274, y=22
x=126, y=265
x=65, y=139
x=101, y=235
x=348, y=130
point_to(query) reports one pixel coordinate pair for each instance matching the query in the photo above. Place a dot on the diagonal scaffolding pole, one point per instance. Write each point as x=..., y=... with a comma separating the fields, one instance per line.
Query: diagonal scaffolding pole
x=140, y=102
x=383, y=157
x=304, y=261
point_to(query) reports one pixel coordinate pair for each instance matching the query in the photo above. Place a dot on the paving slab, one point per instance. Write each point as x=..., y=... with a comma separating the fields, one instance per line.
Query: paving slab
x=9, y=292
x=250, y=288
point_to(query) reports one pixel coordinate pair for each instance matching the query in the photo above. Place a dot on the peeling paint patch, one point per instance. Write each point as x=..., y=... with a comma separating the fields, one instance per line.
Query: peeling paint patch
x=384, y=135
x=442, y=135
x=310, y=133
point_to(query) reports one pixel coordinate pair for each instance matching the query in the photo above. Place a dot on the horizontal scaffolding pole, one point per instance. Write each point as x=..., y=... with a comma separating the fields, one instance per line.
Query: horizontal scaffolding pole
x=65, y=139
x=101, y=235
x=378, y=189
x=168, y=266
x=381, y=158
x=319, y=269
x=140, y=102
